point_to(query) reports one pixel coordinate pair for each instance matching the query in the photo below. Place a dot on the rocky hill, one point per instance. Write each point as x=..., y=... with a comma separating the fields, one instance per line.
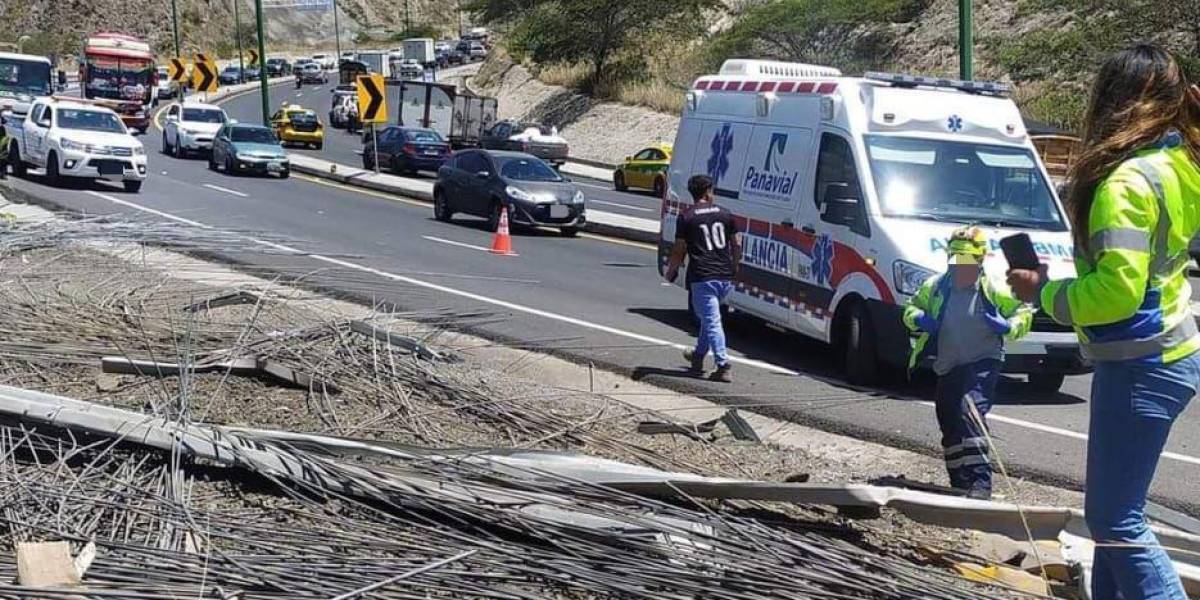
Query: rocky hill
x=59, y=26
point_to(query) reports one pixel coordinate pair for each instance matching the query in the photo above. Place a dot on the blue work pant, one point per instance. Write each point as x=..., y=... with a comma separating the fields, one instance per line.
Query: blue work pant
x=1133, y=407
x=706, y=305
x=964, y=444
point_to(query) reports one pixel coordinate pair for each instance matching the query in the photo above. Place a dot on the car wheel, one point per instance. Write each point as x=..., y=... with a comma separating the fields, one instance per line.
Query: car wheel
x=660, y=186
x=368, y=162
x=859, y=346
x=493, y=222
x=568, y=231
x=53, y=177
x=441, y=208
x=1046, y=383
x=177, y=150
x=284, y=174
x=229, y=165
x=166, y=148
x=132, y=187
x=619, y=181
x=14, y=160
x=212, y=161
x=319, y=145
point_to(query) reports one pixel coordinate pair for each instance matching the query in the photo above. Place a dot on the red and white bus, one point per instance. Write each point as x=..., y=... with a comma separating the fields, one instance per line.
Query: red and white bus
x=118, y=71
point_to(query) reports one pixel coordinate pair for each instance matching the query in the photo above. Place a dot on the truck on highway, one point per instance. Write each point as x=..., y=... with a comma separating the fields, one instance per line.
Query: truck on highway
x=420, y=50
x=376, y=61
x=73, y=138
x=460, y=117
x=118, y=71
x=846, y=189
x=23, y=77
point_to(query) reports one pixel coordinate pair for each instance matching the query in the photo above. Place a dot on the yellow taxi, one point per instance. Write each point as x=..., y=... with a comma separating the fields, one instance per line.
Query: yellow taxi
x=294, y=124
x=647, y=170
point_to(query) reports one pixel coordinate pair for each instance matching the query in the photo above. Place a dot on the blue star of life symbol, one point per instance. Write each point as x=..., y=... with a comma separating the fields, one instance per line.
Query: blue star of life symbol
x=954, y=123
x=822, y=259
x=722, y=145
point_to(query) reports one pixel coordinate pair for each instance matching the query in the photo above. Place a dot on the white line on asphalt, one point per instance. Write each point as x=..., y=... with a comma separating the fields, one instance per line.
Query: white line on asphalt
x=574, y=321
x=226, y=190
x=641, y=208
x=454, y=243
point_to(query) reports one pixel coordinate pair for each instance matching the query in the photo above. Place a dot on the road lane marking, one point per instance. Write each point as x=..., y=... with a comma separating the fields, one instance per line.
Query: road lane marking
x=226, y=190
x=365, y=192
x=641, y=208
x=454, y=243
x=568, y=319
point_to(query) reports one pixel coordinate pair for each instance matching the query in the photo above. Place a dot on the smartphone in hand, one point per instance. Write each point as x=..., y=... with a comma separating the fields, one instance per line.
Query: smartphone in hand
x=1019, y=252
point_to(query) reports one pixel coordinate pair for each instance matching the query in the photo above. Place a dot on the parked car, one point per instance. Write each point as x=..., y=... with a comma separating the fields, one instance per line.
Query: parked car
x=538, y=140
x=482, y=182
x=478, y=51
x=313, y=73
x=190, y=127
x=278, y=67
x=325, y=61
x=298, y=125
x=300, y=62
x=647, y=170
x=230, y=75
x=247, y=148
x=464, y=46
x=406, y=150
x=347, y=57
x=75, y=140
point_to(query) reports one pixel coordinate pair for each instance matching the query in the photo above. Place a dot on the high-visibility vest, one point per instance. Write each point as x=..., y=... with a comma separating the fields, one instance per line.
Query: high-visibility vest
x=931, y=297
x=1131, y=299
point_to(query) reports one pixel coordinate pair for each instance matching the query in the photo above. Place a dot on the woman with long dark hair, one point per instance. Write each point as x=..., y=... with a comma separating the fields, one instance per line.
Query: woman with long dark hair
x=1134, y=200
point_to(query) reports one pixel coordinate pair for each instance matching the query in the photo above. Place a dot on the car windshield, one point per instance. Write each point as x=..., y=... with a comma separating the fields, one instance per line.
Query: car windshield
x=89, y=120
x=203, y=115
x=311, y=67
x=253, y=135
x=24, y=77
x=961, y=182
x=423, y=136
x=542, y=129
x=231, y=70
x=527, y=169
x=302, y=117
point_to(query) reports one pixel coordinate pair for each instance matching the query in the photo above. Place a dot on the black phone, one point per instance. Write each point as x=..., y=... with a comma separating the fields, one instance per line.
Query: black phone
x=1019, y=252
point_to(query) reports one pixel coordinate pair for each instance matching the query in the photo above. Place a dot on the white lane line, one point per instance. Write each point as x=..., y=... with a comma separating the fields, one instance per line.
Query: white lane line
x=226, y=190
x=641, y=208
x=454, y=243
x=577, y=322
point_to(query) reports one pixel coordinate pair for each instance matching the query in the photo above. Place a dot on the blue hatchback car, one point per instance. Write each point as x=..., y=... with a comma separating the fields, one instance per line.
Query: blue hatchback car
x=406, y=150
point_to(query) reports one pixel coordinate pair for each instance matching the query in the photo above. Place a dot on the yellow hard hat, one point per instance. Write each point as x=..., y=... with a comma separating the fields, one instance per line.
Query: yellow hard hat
x=968, y=245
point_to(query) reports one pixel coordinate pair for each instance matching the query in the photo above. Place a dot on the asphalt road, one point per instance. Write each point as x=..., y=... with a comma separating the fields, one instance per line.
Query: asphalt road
x=346, y=148
x=593, y=300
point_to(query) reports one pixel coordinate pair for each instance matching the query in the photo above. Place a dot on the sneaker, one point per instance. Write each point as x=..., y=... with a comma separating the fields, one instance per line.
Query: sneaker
x=697, y=366
x=722, y=373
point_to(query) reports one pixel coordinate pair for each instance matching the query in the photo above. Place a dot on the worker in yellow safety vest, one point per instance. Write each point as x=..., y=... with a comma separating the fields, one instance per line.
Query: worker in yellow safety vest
x=1135, y=203
x=963, y=319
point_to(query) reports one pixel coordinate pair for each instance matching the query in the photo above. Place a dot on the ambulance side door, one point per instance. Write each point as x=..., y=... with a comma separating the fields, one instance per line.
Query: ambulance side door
x=833, y=220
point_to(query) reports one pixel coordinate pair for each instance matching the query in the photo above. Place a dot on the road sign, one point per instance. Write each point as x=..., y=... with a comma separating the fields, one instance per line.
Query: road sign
x=176, y=70
x=204, y=74
x=253, y=57
x=372, y=107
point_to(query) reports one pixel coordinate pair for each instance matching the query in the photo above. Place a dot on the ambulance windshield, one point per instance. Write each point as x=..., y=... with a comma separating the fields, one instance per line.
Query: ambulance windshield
x=962, y=182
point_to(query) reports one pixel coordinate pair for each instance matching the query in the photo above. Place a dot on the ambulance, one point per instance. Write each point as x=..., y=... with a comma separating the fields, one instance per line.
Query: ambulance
x=846, y=190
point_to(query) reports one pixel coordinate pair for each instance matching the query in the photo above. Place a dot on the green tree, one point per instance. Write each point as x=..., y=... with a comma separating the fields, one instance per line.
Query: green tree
x=603, y=33
x=850, y=34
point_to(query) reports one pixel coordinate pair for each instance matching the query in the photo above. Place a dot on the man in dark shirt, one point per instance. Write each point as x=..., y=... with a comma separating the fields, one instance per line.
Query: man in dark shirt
x=706, y=234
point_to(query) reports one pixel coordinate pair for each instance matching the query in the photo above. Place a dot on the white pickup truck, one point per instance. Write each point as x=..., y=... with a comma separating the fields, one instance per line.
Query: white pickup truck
x=69, y=138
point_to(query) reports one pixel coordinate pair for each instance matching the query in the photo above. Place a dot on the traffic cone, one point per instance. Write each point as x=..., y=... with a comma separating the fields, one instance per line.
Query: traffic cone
x=502, y=241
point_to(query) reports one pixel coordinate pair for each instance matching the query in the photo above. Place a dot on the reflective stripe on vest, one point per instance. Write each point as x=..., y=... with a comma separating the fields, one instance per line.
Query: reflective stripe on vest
x=1162, y=266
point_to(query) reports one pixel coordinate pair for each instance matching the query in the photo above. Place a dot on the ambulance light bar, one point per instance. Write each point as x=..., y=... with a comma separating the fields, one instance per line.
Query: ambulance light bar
x=989, y=88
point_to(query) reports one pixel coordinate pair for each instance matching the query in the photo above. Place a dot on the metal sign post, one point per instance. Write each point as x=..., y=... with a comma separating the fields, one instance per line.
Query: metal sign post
x=375, y=146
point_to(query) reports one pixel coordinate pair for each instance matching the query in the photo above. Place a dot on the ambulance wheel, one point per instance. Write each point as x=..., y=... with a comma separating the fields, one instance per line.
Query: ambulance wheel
x=1046, y=383
x=859, y=346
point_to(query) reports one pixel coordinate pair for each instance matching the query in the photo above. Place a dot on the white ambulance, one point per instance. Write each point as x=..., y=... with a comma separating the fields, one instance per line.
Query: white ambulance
x=846, y=190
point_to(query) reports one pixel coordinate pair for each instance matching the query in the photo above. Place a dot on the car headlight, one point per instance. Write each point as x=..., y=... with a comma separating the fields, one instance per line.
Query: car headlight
x=908, y=277
x=518, y=194
x=139, y=150
x=578, y=197
x=73, y=145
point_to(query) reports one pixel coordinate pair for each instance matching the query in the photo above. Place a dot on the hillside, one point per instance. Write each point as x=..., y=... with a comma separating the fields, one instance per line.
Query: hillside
x=58, y=26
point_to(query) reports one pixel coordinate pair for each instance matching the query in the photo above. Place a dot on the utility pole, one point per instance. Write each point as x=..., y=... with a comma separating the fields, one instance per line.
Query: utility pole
x=175, y=21
x=262, y=63
x=407, y=20
x=966, y=41
x=237, y=29
x=458, y=8
x=337, y=34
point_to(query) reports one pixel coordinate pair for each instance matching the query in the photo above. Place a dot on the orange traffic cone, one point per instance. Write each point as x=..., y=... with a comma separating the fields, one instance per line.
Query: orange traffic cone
x=502, y=241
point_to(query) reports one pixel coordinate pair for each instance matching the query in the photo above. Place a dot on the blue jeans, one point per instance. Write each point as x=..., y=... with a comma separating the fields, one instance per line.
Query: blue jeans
x=1133, y=407
x=964, y=445
x=706, y=304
